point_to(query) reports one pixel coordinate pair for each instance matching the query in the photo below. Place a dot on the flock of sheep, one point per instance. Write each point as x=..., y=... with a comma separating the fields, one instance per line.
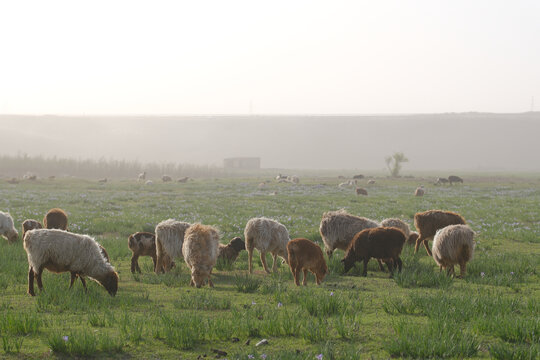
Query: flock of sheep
x=56, y=249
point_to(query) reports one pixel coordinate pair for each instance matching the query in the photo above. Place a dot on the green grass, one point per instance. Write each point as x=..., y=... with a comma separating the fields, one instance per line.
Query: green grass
x=419, y=313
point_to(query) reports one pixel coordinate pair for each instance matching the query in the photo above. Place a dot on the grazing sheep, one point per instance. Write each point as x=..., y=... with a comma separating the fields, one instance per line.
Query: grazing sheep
x=266, y=235
x=183, y=179
x=262, y=185
x=148, y=182
x=305, y=255
x=142, y=176
x=7, y=228
x=419, y=191
x=412, y=238
x=427, y=223
x=30, y=224
x=361, y=191
x=102, y=181
x=338, y=228
x=397, y=223
x=371, y=182
x=293, y=179
x=169, y=240
x=281, y=177
x=166, y=178
x=200, y=249
x=454, y=179
x=382, y=243
x=230, y=252
x=441, y=181
x=347, y=184
x=55, y=219
x=142, y=244
x=59, y=251
x=360, y=176
x=13, y=181
x=453, y=244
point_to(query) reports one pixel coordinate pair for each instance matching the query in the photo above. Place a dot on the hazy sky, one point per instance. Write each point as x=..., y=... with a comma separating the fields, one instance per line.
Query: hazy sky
x=293, y=57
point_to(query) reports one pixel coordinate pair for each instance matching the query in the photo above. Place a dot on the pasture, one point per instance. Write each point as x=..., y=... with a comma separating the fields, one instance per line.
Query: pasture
x=493, y=313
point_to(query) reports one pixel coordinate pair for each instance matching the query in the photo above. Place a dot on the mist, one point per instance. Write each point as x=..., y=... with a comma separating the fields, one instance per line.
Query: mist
x=468, y=141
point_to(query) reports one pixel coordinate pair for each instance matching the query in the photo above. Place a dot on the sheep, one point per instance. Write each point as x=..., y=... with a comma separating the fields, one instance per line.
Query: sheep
x=149, y=182
x=441, y=181
x=382, y=243
x=419, y=191
x=371, y=182
x=183, y=179
x=230, y=252
x=361, y=191
x=266, y=235
x=293, y=179
x=359, y=176
x=166, y=178
x=141, y=244
x=7, y=229
x=305, y=255
x=142, y=176
x=169, y=240
x=102, y=181
x=200, y=249
x=454, y=179
x=13, y=181
x=413, y=236
x=453, y=244
x=427, y=223
x=281, y=177
x=55, y=219
x=347, y=184
x=59, y=251
x=338, y=228
x=397, y=223
x=30, y=224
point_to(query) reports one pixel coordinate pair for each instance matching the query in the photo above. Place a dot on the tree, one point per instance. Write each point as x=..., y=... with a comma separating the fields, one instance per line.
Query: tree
x=393, y=163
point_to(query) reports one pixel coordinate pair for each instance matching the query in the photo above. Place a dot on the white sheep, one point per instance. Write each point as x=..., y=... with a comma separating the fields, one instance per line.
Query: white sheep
x=266, y=235
x=200, y=249
x=142, y=176
x=169, y=240
x=452, y=245
x=7, y=228
x=397, y=223
x=59, y=251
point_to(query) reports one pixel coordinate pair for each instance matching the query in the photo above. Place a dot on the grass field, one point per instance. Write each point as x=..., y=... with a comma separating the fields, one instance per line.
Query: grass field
x=493, y=313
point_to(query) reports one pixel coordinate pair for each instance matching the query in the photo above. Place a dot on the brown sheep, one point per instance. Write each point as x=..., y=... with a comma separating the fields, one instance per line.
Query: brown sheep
x=166, y=178
x=361, y=191
x=454, y=179
x=384, y=243
x=142, y=244
x=453, y=244
x=419, y=191
x=230, y=252
x=30, y=224
x=305, y=255
x=200, y=250
x=441, y=181
x=428, y=222
x=102, y=181
x=412, y=238
x=55, y=219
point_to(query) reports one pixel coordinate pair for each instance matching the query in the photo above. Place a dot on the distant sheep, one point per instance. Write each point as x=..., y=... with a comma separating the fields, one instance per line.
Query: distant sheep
x=266, y=235
x=452, y=245
x=427, y=223
x=142, y=244
x=142, y=176
x=305, y=255
x=30, y=224
x=55, y=219
x=200, y=249
x=361, y=191
x=230, y=252
x=7, y=228
x=102, y=181
x=454, y=179
x=337, y=229
x=13, y=181
x=441, y=180
x=293, y=179
x=183, y=179
x=347, y=184
x=371, y=182
x=149, y=182
x=382, y=243
x=169, y=239
x=166, y=178
x=281, y=177
x=359, y=176
x=59, y=251
x=419, y=191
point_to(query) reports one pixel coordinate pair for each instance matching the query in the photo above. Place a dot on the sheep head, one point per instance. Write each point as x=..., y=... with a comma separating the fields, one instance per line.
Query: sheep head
x=110, y=282
x=238, y=244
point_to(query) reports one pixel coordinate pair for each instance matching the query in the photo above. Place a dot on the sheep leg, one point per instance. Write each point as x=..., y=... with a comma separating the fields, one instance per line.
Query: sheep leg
x=159, y=265
x=274, y=262
x=135, y=264
x=304, y=282
x=400, y=264
x=462, y=269
x=263, y=260
x=210, y=283
x=381, y=266
x=73, y=278
x=364, y=271
x=296, y=274
x=250, y=260
x=83, y=283
x=154, y=261
x=418, y=242
x=38, y=279
x=426, y=245
x=31, y=282
x=390, y=265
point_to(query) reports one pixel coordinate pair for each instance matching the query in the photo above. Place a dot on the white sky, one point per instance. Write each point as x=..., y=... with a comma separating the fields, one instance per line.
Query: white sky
x=294, y=57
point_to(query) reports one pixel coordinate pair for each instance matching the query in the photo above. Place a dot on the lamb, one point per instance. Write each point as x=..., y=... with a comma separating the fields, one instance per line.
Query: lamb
x=453, y=244
x=230, y=252
x=419, y=191
x=7, y=229
x=30, y=224
x=427, y=223
x=59, y=251
x=454, y=179
x=55, y=219
x=169, y=240
x=305, y=255
x=166, y=178
x=361, y=191
x=383, y=243
x=200, y=249
x=141, y=244
x=266, y=235
x=338, y=228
